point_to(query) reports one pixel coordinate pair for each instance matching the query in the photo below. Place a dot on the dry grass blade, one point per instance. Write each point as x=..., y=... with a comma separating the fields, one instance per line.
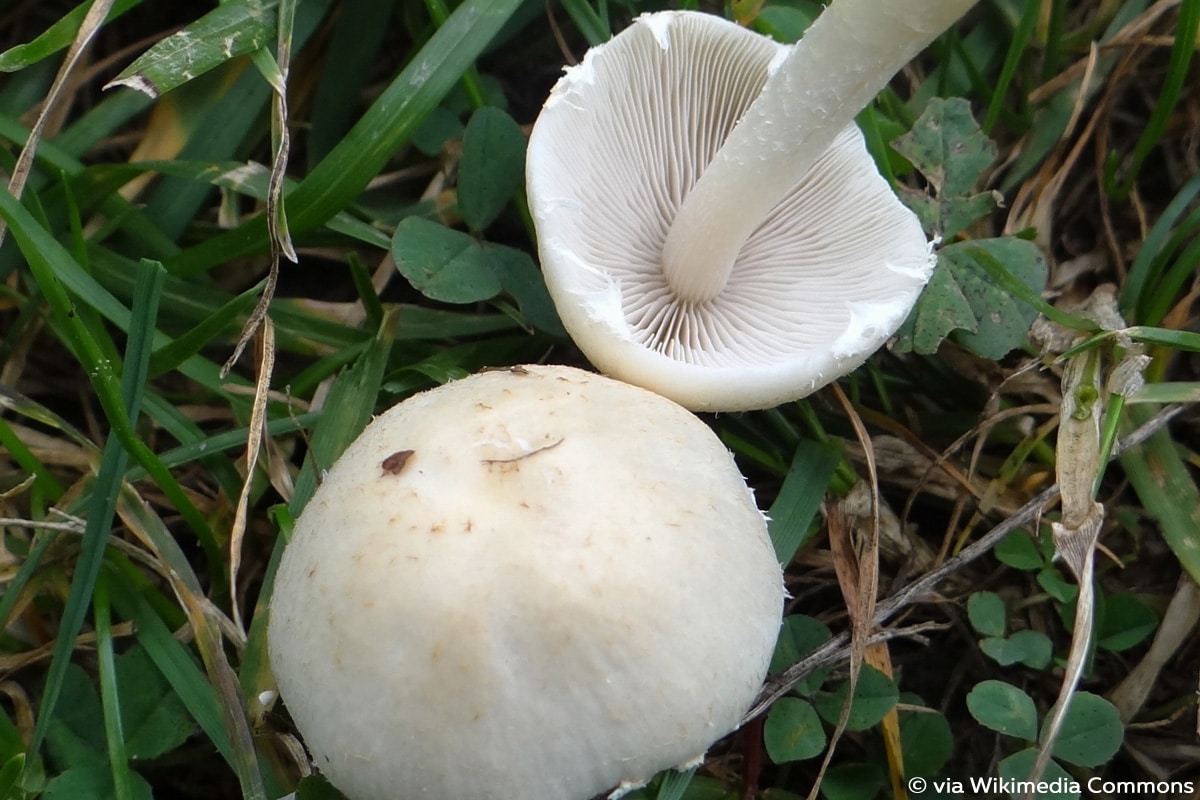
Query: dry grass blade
x=281, y=241
x=87, y=30
x=564, y=48
x=857, y=564
x=163, y=555
x=71, y=525
x=1037, y=200
x=1132, y=33
x=1177, y=628
x=851, y=523
x=259, y=322
x=866, y=550
x=223, y=678
x=11, y=662
x=22, y=708
x=258, y=422
x=1081, y=639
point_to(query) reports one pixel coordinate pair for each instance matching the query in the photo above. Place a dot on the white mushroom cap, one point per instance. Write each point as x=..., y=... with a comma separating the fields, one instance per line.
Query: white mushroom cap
x=538, y=583
x=821, y=283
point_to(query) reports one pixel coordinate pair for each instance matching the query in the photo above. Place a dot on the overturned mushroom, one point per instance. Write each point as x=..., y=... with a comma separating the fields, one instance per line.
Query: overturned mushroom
x=709, y=221
x=538, y=583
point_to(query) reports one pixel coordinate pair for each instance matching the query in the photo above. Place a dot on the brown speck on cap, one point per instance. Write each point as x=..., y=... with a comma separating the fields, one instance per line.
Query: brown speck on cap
x=394, y=464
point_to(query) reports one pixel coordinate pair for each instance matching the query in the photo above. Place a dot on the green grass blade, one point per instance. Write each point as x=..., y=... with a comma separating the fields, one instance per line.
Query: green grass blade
x=223, y=122
x=223, y=320
x=230, y=30
x=360, y=276
x=1166, y=490
x=178, y=425
x=348, y=408
x=9, y=774
x=158, y=539
x=1016, y=50
x=353, y=49
x=56, y=274
x=75, y=224
x=30, y=409
x=100, y=121
x=1110, y=424
x=251, y=179
x=1171, y=283
x=174, y=662
x=220, y=121
x=387, y=124
x=471, y=82
x=104, y=495
x=297, y=326
x=114, y=730
x=183, y=301
x=44, y=480
x=1159, y=248
x=1168, y=98
x=1177, y=340
x=591, y=24
x=877, y=146
x=224, y=718
x=675, y=783
x=1168, y=233
x=226, y=440
x=57, y=37
x=791, y=515
x=1162, y=393
x=141, y=336
x=55, y=160
x=1006, y=281
x=1056, y=53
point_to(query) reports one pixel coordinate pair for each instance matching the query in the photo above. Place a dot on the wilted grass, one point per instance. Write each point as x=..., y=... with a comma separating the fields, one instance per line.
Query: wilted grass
x=140, y=244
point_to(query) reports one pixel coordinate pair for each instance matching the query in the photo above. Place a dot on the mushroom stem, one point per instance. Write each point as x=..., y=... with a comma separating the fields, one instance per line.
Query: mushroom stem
x=847, y=56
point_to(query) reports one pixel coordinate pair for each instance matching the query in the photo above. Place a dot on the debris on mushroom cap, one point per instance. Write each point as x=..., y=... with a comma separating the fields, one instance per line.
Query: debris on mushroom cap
x=827, y=277
x=539, y=583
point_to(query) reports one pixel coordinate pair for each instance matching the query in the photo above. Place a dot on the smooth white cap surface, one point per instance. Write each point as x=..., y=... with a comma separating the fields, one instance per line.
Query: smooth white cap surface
x=825, y=279
x=563, y=587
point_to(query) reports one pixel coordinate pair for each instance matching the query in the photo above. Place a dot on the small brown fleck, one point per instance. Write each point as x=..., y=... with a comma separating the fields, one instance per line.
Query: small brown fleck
x=393, y=464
